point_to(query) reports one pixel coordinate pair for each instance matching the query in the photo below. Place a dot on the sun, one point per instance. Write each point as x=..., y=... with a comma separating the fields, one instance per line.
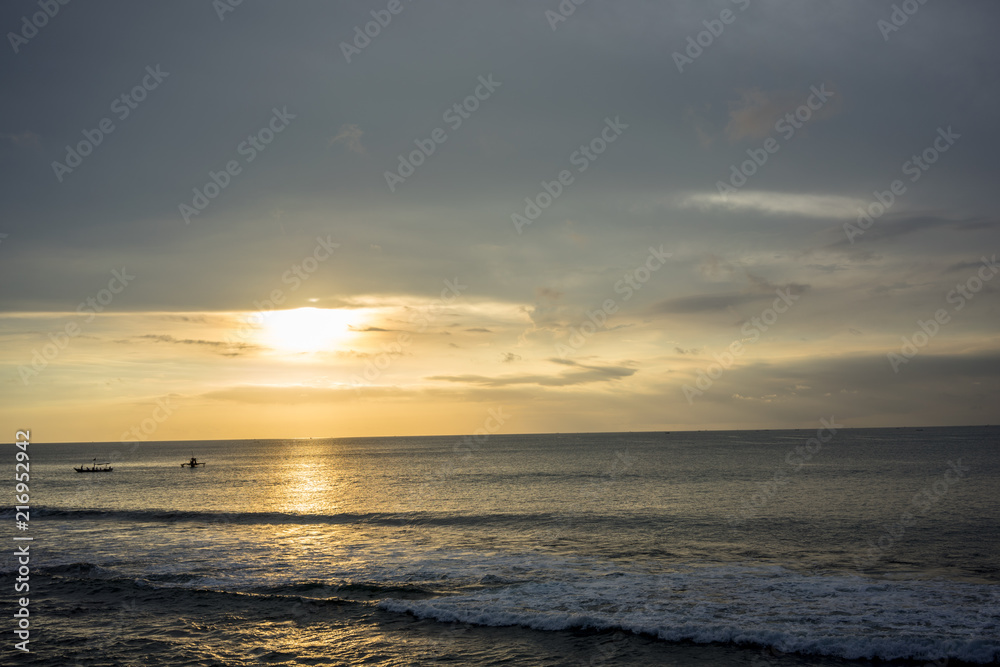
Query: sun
x=306, y=330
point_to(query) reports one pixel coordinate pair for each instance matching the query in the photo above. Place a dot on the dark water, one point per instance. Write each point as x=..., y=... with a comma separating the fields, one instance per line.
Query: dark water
x=718, y=548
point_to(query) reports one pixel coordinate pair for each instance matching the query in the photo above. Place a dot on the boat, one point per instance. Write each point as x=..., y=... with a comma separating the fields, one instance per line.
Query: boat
x=193, y=463
x=95, y=467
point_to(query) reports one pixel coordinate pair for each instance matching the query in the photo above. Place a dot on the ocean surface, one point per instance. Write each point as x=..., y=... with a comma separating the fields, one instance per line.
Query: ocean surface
x=763, y=548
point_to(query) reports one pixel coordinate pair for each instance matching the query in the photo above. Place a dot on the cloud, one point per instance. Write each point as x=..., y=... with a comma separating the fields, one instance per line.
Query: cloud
x=869, y=374
x=25, y=138
x=892, y=226
x=705, y=303
x=835, y=207
x=296, y=394
x=350, y=135
x=224, y=348
x=702, y=128
x=715, y=268
x=754, y=115
x=509, y=357
x=586, y=375
x=966, y=266
x=545, y=311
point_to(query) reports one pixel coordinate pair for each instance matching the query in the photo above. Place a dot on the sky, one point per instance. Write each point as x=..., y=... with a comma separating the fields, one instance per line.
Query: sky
x=324, y=219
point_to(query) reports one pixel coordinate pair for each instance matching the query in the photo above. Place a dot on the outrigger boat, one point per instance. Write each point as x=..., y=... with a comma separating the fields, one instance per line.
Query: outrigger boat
x=193, y=463
x=96, y=467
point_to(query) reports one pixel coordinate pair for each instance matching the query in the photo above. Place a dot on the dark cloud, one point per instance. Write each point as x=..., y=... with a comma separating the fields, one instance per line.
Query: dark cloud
x=704, y=303
x=708, y=303
x=225, y=348
x=893, y=226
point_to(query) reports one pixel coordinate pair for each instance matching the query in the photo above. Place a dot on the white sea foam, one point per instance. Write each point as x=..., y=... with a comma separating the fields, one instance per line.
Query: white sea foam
x=847, y=616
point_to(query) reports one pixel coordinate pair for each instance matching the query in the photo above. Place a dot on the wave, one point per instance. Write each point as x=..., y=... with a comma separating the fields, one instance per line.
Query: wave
x=180, y=516
x=841, y=616
x=256, y=518
x=88, y=579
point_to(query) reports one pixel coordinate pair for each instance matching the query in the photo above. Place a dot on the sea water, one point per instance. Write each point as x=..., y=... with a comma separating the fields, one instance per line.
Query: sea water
x=712, y=548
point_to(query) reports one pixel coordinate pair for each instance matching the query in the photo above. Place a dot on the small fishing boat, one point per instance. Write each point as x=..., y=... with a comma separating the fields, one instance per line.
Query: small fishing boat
x=95, y=467
x=193, y=463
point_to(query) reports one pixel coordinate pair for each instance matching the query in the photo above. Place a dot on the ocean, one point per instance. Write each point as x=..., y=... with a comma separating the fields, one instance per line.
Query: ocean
x=763, y=548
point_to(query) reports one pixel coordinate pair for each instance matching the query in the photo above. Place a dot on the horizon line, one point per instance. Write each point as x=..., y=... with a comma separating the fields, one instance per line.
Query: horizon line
x=469, y=435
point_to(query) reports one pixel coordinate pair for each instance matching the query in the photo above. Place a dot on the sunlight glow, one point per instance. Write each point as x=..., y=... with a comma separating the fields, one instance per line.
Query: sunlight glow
x=305, y=330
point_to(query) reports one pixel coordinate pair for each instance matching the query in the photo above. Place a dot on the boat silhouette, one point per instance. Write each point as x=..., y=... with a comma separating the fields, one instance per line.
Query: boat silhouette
x=95, y=467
